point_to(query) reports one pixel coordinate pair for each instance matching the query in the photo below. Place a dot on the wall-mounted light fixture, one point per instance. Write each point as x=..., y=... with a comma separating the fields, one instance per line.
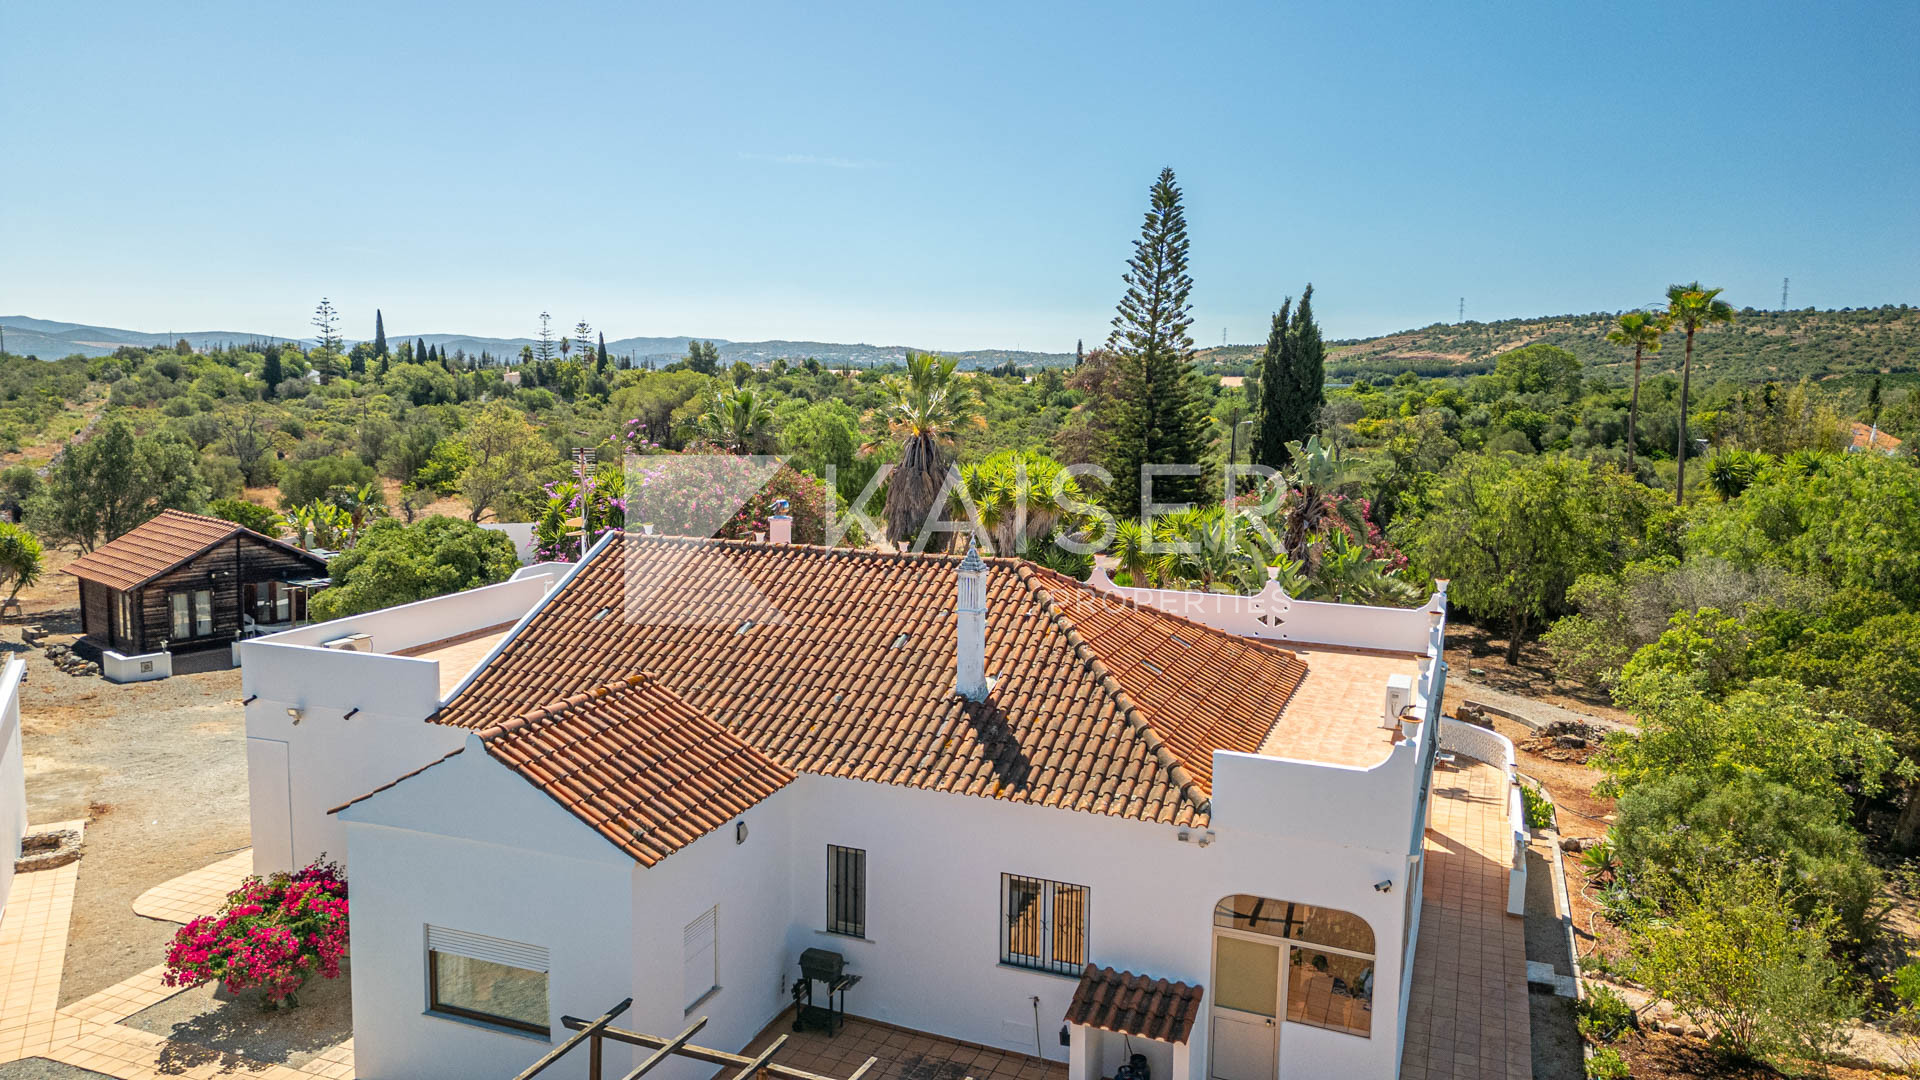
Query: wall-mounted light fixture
x=296, y=712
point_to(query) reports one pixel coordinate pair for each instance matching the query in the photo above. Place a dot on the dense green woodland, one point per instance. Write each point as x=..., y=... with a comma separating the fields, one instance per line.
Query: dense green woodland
x=1759, y=613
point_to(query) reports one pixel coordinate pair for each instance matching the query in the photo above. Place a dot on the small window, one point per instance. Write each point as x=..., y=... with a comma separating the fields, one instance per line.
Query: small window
x=702, y=957
x=494, y=981
x=1044, y=924
x=202, y=613
x=846, y=891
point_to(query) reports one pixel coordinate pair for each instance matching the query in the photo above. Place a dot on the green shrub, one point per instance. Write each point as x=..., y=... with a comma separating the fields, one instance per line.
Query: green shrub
x=1739, y=958
x=1538, y=807
x=249, y=514
x=1607, y=1064
x=1603, y=1015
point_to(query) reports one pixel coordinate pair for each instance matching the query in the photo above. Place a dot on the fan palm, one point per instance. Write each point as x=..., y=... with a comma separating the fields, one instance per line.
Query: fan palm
x=924, y=410
x=1691, y=307
x=1130, y=543
x=1642, y=330
x=737, y=420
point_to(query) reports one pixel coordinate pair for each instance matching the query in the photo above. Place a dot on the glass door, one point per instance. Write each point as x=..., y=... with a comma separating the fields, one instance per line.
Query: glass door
x=1246, y=1008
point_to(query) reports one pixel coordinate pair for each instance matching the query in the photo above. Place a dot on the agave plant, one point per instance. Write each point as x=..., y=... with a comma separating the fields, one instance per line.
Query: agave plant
x=1014, y=494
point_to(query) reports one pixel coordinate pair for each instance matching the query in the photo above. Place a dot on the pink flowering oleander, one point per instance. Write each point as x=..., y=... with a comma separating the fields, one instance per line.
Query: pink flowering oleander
x=273, y=934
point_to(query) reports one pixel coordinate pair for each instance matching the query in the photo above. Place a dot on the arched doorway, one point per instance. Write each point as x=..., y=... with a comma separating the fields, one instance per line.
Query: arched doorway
x=1277, y=960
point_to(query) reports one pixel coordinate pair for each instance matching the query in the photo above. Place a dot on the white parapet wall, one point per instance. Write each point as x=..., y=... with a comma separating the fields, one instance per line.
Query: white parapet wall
x=140, y=667
x=13, y=775
x=1480, y=744
x=1272, y=615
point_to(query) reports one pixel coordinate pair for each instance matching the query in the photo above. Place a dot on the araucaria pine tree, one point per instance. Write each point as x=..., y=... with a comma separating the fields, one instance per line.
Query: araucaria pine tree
x=1292, y=381
x=1156, y=417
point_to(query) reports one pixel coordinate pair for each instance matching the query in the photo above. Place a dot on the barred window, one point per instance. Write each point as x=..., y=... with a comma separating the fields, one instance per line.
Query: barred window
x=1044, y=924
x=846, y=890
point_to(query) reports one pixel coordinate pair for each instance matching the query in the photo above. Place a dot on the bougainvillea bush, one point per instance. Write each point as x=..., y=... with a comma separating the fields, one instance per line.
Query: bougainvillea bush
x=273, y=935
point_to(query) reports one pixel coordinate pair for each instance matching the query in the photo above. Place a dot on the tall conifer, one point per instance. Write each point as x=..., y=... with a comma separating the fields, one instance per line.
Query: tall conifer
x=1156, y=418
x=1279, y=404
x=379, y=334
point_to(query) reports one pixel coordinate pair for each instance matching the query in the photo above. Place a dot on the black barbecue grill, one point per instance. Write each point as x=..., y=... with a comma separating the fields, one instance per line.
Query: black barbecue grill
x=828, y=968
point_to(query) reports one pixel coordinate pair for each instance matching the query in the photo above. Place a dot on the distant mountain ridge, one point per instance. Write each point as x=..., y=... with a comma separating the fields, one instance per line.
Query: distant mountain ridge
x=50, y=340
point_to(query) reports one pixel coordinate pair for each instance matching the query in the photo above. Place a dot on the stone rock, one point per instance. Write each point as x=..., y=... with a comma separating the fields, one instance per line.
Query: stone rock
x=1570, y=742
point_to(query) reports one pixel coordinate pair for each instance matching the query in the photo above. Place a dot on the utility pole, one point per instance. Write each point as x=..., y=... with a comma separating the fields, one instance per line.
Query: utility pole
x=1783, y=293
x=1463, y=310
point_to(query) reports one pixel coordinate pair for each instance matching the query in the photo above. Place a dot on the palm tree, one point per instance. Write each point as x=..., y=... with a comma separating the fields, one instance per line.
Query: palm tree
x=20, y=559
x=925, y=409
x=736, y=420
x=1312, y=502
x=1642, y=330
x=1691, y=307
x=1129, y=549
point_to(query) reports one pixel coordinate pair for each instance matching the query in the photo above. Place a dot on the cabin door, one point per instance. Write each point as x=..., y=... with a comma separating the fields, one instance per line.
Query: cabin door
x=1246, y=1008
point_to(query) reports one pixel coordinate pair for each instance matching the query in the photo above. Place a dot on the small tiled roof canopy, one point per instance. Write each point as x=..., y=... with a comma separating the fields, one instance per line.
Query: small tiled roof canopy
x=841, y=662
x=156, y=546
x=1130, y=1004
x=632, y=760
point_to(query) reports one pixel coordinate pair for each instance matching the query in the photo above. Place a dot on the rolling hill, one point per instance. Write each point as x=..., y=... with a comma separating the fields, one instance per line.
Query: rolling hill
x=1759, y=345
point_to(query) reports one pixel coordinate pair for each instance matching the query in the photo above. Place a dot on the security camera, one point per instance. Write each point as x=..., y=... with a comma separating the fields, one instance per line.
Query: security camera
x=1383, y=886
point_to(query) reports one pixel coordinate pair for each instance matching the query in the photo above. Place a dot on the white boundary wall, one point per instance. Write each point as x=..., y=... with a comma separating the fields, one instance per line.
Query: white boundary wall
x=13, y=775
x=1496, y=749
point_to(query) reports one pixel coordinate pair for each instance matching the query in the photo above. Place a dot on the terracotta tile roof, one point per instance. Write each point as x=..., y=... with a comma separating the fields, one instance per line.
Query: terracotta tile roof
x=841, y=662
x=1130, y=1004
x=1867, y=437
x=631, y=759
x=155, y=546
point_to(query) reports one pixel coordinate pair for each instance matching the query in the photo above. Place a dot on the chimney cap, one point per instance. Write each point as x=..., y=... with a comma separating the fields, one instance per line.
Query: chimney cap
x=972, y=564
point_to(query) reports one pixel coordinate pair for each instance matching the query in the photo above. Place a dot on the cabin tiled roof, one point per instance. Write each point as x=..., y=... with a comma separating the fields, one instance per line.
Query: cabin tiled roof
x=1130, y=1004
x=841, y=662
x=154, y=547
x=636, y=763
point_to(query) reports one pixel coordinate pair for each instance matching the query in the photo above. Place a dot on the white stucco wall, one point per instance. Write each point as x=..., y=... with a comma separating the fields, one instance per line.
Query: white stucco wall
x=13, y=776
x=469, y=845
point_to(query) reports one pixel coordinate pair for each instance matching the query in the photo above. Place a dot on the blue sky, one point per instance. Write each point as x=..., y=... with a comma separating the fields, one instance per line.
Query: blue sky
x=952, y=176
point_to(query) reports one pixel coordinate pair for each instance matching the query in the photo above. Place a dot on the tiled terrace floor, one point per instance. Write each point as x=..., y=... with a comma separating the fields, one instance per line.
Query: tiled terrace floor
x=196, y=893
x=1468, y=1017
x=88, y=1033
x=903, y=1054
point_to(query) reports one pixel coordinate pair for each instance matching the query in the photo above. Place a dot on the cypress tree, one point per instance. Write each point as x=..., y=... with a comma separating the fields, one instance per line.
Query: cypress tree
x=271, y=373
x=1156, y=418
x=379, y=334
x=1292, y=381
x=419, y=350
x=600, y=359
x=1279, y=418
x=1309, y=358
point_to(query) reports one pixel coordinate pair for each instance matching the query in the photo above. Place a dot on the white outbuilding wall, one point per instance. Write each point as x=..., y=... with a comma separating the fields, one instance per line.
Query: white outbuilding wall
x=13, y=775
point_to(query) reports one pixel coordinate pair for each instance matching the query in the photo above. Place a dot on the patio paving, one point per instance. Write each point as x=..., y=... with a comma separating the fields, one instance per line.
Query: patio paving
x=903, y=1054
x=1468, y=1017
x=195, y=893
x=89, y=1034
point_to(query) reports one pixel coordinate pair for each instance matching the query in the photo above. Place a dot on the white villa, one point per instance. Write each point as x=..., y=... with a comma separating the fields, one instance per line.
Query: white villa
x=1070, y=820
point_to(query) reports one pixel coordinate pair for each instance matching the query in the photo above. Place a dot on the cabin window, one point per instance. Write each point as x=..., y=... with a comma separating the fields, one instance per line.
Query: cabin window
x=846, y=891
x=488, y=979
x=191, y=614
x=1043, y=924
x=123, y=621
x=702, y=957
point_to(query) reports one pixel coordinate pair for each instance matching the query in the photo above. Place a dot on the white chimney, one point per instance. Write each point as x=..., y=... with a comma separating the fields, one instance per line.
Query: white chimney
x=1399, y=696
x=970, y=669
x=780, y=524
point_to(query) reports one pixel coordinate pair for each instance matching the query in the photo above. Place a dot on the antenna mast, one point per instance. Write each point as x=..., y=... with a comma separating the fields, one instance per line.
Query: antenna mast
x=1783, y=293
x=1463, y=310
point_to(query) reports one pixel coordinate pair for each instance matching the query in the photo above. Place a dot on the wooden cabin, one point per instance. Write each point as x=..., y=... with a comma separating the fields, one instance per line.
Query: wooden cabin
x=183, y=582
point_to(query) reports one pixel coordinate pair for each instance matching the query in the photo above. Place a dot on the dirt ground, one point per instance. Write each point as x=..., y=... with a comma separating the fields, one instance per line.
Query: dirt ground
x=1653, y=1056
x=158, y=769
x=1478, y=654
